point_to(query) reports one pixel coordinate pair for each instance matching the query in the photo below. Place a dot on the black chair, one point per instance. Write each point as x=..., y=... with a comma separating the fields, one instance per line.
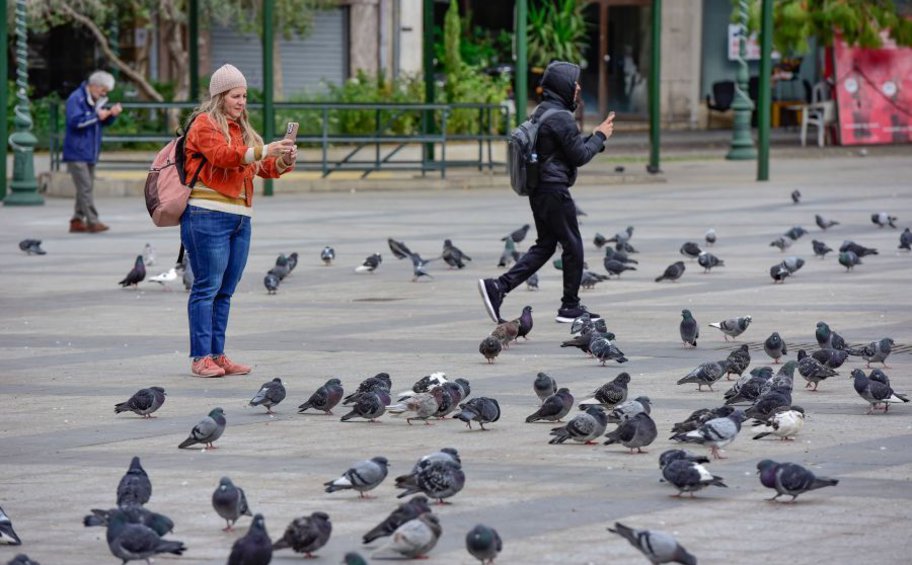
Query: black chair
x=722, y=97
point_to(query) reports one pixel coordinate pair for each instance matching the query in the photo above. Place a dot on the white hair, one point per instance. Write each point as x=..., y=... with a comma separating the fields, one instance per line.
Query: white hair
x=102, y=78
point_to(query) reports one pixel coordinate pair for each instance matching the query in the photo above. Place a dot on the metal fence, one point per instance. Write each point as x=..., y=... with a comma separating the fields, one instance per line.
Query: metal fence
x=385, y=131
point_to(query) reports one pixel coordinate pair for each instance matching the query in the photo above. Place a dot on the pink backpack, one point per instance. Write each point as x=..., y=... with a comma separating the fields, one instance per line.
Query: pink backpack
x=167, y=189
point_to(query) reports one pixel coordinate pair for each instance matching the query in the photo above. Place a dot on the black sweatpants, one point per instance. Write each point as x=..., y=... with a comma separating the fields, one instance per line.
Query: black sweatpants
x=555, y=222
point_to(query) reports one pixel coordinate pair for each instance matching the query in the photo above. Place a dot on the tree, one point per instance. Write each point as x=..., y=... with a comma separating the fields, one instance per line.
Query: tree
x=452, y=61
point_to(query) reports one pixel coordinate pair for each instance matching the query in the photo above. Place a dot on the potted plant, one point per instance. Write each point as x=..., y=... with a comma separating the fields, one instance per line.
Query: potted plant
x=557, y=29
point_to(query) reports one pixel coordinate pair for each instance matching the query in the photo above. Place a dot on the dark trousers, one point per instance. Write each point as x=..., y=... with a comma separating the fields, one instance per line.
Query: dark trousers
x=555, y=222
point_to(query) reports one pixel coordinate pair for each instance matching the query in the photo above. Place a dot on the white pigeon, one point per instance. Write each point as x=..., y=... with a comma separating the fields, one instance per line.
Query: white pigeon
x=781, y=424
x=168, y=276
x=433, y=380
x=148, y=255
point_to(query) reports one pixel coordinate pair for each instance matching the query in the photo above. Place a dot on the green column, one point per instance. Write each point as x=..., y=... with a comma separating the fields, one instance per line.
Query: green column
x=268, y=94
x=427, y=46
x=655, y=87
x=766, y=68
x=193, y=32
x=742, y=145
x=4, y=94
x=521, y=72
x=24, y=185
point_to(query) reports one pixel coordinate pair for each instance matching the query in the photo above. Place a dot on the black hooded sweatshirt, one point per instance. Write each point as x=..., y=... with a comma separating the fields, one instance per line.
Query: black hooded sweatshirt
x=561, y=147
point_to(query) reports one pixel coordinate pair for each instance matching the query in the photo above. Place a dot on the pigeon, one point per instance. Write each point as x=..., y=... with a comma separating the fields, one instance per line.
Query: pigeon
x=820, y=248
x=380, y=381
x=670, y=455
x=399, y=249
x=453, y=256
x=860, y=250
x=604, y=350
x=700, y=417
x=827, y=338
x=306, y=534
x=229, y=502
x=144, y=402
x=418, y=267
x=270, y=394
x=7, y=533
x=634, y=433
x=509, y=254
x=715, y=433
x=255, y=548
x=370, y=264
x=168, y=276
x=136, y=275
x=327, y=255
x=796, y=196
x=620, y=256
x=795, y=233
x=621, y=237
x=292, y=262
x=689, y=328
x=353, y=558
x=691, y=250
x=673, y=272
x=812, y=370
x=22, y=559
x=615, y=267
x=779, y=273
x=271, y=282
x=408, y=510
x=544, y=386
x=782, y=243
x=135, y=486
x=554, y=407
x=775, y=347
x=207, y=430
x=446, y=455
x=629, y=408
x=905, y=240
x=792, y=263
x=483, y=543
x=148, y=255
x=325, y=398
x=424, y=384
x=849, y=259
x=705, y=374
x=524, y=323
x=738, y=360
x=135, y=514
x=710, y=237
x=875, y=392
x=532, y=282
x=582, y=428
x=883, y=219
x=875, y=352
x=590, y=279
x=363, y=476
x=482, y=409
x=281, y=268
x=790, y=478
x=879, y=376
x=824, y=223
x=609, y=394
x=708, y=261
x=490, y=347
x=187, y=275
x=369, y=405
x=413, y=539
x=732, y=327
x=783, y=423
x=747, y=388
x=688, y=476
x=420, y=406
x=517, y=235
x=506, y=332
x=599, y=240
x=32, y=247
x=135, y=542
x=437, y=479
x=658, y=547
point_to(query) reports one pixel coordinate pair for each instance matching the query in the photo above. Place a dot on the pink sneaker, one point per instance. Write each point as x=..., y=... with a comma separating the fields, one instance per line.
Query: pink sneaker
x=230, y=367
x=206, y=367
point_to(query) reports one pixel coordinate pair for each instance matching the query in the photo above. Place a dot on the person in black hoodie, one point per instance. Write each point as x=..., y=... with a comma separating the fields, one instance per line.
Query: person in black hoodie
x=561, y=149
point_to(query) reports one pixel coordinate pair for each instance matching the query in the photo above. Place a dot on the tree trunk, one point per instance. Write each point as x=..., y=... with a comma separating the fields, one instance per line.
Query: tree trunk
x=178, y=56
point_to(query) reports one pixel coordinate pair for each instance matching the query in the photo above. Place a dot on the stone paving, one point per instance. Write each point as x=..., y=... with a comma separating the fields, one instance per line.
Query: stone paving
x=72, y=343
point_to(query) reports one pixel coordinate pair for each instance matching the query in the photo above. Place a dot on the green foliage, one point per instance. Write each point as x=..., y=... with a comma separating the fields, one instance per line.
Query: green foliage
x=452, y=61
x=480, y=47
x=557, y=30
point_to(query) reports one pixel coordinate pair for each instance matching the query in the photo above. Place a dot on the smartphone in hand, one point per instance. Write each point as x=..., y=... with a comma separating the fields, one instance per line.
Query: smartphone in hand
x=291, y=131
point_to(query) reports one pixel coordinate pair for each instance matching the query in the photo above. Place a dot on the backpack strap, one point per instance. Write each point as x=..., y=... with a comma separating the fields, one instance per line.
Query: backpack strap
x=199, y=169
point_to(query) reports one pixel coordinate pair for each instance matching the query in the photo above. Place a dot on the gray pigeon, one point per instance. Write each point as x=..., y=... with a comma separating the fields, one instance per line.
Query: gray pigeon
x=619, y=256
x=832, y=358
x=490, y=347
x=824, y=223
x=327, y=255
x=135, y=486
x=812, y=371
x=292, y=262
x=820, y=248
x=859, y=250
x=732, y=327
x=532, y=282
x=827, y=338
x=353, y=558
x=790, y=478
x=282, y=267
x=369, y=405
x=544, y=386
x=408, y=510
x=269, y=395
x=690, y=330
x=413, y=539
x=634, y=433
x=436, y=479
x=709, y=261
x=509, y=254
x=517, y=235
x=582, y=428
x=144, y=402
x=781, y=242
x=325, y=398
x=32, y=247
x=875, y=392
x=22, y=559
x=363, y=476
x=621, y=236
x=705, y=374
x=590, y=279
x=207, y=430
x=230, y=503
x=691, y=250
x=370, y=264
x=673, y=272
x=796, y=196
x=779, y=273
x=453, y=256
x=136, y=542
x=609, y=394
x=602, y=348
x=615, y=267
x=380, y=381
x=883, y=219
x=135, y=514
x=699, y=417
x=792, y=263
x=849, y=260
x=306, y=534
x=716, y=433
x=905, y=240
x=775, y=347
x=689, y=476
x=710, y=237
x=738, y=361
x=658, y=547
x=554, y=407
x=271, y=282
x=187, y=272
x=136, y=275
x=795, y=233
x=7, y=533
x=482, y=409
x=255, y=548
x=483, y=543
x=875, y=352
x=630, y=408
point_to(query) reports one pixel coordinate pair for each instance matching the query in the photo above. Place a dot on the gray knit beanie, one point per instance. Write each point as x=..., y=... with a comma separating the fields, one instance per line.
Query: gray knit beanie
x=226, y=78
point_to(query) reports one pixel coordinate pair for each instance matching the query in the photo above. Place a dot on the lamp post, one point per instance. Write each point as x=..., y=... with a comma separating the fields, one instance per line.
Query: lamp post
x=742, y=145
x=24, y=186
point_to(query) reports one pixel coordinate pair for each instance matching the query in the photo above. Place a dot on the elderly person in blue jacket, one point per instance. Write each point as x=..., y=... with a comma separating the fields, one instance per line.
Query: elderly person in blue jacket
x=86, y=114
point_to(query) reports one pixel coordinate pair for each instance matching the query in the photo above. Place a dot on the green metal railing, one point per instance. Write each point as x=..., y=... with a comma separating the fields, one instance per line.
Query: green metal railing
x=379, y=148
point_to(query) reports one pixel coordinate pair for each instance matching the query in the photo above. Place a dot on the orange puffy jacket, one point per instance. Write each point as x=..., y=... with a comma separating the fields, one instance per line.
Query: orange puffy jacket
x=225, y=170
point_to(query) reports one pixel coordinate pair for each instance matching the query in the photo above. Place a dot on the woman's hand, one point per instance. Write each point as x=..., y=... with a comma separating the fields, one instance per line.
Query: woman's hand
x=280, y=148
x=289, y=159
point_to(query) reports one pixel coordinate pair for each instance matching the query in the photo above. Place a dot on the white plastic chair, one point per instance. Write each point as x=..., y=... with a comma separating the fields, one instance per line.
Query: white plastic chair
x=820, y=113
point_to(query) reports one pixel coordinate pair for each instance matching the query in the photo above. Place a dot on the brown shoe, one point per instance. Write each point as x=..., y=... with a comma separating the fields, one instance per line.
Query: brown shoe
x=77, y=226
x=206, y=367
x=96, y=228
x=230, y=367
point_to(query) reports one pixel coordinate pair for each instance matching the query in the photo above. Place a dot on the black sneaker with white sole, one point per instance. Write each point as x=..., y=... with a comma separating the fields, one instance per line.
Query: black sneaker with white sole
x=566, y=315
x=492, y=297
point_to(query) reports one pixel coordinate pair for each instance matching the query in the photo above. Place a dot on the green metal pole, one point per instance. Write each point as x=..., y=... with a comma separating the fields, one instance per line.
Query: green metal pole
x=742, y=145
x=655, y=78
x=521, y=72
x=4, y=94
x=428, y=52
x=268, y=94
x=24, y=186
x=766, y=69
x=193, y=25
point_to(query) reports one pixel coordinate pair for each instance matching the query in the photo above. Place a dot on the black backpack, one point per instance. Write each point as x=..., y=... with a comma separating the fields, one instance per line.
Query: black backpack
x=522, y=156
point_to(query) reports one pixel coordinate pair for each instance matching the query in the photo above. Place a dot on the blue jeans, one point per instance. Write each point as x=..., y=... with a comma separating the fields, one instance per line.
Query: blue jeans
x=217, y=243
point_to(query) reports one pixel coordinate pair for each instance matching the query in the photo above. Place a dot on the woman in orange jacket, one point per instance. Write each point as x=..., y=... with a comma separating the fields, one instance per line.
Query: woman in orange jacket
x=215, y=228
